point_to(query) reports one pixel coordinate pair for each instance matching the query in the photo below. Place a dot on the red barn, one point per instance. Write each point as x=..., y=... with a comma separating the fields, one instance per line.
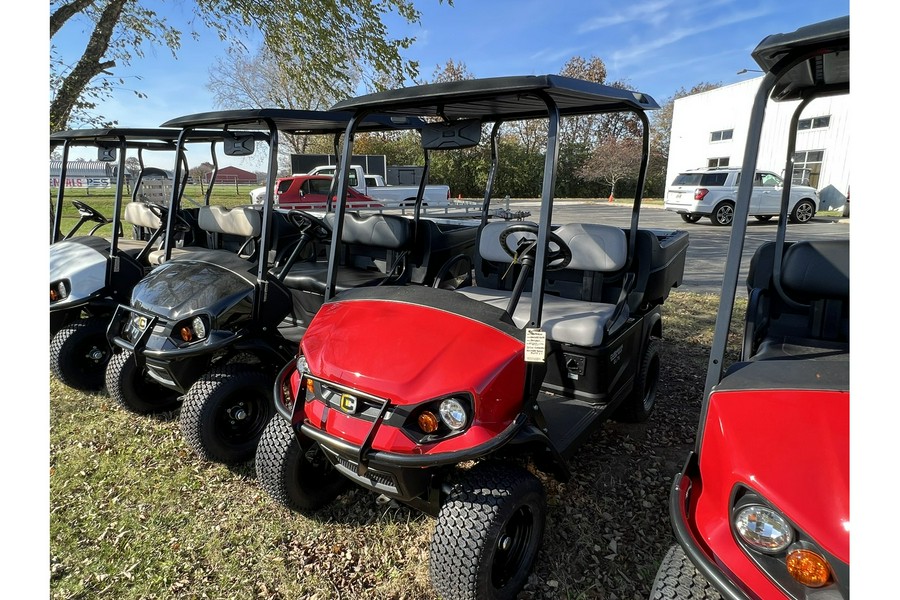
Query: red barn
x=232, y=175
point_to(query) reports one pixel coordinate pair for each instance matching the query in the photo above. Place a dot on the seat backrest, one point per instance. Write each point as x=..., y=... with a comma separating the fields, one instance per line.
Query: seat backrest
x=242, y=221
x=391, y=232
x=813, y=303
x=817, y=270
x=597, y=250
x=600, y=248
x=817, y=274
x=140, y=215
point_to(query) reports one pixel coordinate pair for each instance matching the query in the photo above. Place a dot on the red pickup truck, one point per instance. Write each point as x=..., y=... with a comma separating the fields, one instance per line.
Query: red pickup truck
x=311, y=191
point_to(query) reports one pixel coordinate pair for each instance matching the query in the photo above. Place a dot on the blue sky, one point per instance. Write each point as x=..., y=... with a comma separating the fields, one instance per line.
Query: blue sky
x=658, y=46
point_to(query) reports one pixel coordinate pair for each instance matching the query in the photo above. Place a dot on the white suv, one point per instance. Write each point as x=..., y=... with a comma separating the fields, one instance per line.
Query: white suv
x=712, y=193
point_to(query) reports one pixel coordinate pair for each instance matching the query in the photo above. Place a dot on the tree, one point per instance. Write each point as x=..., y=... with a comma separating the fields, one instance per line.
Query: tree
x=613, y=160
x=334, y=42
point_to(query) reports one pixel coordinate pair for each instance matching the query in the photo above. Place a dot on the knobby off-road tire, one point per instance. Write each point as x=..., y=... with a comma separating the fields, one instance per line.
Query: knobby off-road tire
x=225, y=412
x=639, y=404
x=61, y=318
x=296, y=475
x=79, y=352
x=678, y=579
x=488, y=533
x=134, y=390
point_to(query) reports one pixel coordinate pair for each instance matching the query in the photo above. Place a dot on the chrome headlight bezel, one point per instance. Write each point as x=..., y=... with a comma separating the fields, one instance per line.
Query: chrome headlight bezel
x=61, y=288
x=188, y=331
x=762, y=528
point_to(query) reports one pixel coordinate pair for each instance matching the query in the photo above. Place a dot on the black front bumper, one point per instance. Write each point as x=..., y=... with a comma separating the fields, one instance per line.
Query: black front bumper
x=400, y=476
x=175, y=368
x=679, y=500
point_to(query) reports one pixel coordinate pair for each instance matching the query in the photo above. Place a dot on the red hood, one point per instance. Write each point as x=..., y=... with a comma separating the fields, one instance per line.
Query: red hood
x=410, y=353
x=793, y=448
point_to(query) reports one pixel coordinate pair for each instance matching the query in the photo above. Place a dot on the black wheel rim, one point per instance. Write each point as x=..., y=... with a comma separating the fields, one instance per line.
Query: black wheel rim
x=513, y=546
x=242, y=418
x=90, y=356
x=651, y=384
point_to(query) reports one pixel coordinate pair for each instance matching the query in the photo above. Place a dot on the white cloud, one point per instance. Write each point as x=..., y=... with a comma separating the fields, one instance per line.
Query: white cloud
x=652, y=9
x=640, y=49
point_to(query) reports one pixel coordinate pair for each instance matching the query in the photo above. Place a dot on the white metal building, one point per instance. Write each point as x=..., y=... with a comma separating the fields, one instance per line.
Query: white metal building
x=710, y=129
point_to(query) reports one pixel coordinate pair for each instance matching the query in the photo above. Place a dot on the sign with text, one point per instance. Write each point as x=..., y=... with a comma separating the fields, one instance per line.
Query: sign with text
x=83, y=182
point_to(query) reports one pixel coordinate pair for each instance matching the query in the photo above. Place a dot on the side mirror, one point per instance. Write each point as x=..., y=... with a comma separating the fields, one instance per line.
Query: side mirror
x=239, y=145
x=106, y=153
x=447, y=136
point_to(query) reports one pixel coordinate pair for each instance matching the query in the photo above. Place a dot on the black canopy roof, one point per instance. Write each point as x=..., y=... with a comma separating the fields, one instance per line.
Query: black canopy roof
x=815, y=59
x=291, y=121
x=147, y=138
x=134, y=137
x=501, y=98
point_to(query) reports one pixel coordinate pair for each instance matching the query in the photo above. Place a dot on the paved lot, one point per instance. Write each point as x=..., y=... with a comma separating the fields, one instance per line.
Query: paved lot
x=708, y=243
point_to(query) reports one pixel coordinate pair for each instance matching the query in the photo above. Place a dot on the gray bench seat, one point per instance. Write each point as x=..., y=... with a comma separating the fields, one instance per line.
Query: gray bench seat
x=564, y=320
x=241, y=221
x=599, y=248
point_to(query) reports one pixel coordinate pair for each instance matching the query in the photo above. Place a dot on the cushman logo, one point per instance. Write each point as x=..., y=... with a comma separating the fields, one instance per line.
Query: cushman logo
x=616, y=355
x=348, y=403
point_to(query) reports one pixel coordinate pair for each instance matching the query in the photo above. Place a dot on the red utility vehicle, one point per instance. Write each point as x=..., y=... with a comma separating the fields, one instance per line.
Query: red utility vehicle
x=762, y=507
x=442, y=398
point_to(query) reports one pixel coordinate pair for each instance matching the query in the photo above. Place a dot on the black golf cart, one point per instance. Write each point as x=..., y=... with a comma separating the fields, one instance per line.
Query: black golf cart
x=208, y=330
x=400, y=389
x=91, y=274
x=761, y=508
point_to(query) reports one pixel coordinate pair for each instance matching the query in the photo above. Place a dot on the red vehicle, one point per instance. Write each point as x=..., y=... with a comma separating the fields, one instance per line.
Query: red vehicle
x=307, y=192
x=762, y=507
x=440, y=397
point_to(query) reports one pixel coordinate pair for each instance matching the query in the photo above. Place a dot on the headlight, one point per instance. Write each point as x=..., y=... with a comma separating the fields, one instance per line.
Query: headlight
x=440, y=418
x=191, y=330
x=58, y=291
x=453, y=414
x=199, y=328
x=763, y=528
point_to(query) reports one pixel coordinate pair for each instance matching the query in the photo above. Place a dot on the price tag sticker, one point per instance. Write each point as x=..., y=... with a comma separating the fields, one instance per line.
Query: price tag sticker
x=535, y=345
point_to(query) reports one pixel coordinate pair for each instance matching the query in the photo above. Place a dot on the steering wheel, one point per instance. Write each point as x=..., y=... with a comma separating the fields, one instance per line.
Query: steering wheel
x=160, y=211
x=556, y=259
x=309, y=224
x=89, y=213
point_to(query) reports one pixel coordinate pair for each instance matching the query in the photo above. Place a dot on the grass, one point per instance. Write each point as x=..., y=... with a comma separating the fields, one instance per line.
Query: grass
x=135, y=514
x=103, y=200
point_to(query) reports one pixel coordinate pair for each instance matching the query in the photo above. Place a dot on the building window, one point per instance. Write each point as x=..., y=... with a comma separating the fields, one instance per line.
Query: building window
x=712, y=163
x=807, y=167
x=721, y=136
x=814, y=123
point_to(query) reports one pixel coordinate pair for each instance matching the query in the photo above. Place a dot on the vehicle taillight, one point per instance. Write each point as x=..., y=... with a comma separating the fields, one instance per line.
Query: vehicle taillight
x=700, y=193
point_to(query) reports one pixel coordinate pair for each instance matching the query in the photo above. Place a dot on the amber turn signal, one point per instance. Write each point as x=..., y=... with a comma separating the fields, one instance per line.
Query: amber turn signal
x=808, y=568
x=186, y=333
x=428, y=422
x=54, y=295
